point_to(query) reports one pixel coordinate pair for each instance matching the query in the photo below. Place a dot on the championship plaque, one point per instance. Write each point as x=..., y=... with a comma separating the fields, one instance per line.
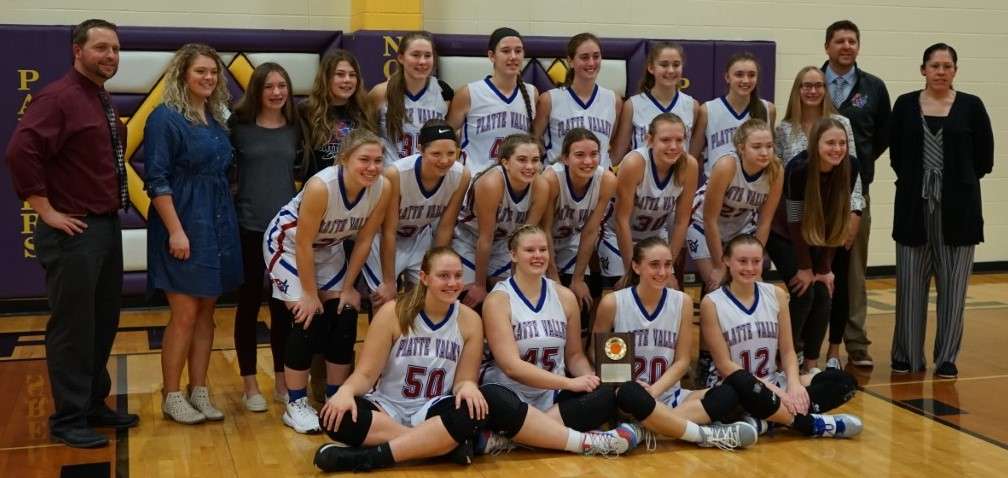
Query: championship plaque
x=614, y=355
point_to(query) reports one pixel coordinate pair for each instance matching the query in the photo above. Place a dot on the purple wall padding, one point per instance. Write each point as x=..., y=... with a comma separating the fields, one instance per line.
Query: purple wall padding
x=228, y=39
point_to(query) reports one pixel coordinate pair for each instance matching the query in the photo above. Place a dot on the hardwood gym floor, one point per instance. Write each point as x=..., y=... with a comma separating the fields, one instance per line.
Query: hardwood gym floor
x=914, y=424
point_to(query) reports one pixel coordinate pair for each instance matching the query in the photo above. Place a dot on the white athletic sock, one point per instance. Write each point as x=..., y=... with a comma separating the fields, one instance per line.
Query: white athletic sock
x=575, y=441
x=692, y=433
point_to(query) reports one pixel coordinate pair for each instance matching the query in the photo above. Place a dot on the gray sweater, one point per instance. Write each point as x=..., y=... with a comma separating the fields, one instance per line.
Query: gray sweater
x=265, y=159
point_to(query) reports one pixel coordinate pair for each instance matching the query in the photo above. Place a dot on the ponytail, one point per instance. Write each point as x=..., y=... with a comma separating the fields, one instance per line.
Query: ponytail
x=639, y=248
x=409, y=304
x=572, y=45
x=647, y=79
x=395, y=91
x=755, y=107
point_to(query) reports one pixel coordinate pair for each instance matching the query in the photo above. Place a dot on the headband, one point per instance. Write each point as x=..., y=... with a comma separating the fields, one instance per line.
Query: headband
x=433, y=133
x=500, y=34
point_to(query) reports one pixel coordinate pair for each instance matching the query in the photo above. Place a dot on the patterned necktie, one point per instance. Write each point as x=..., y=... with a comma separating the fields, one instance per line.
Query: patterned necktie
x=117, y=146
x=839, y=91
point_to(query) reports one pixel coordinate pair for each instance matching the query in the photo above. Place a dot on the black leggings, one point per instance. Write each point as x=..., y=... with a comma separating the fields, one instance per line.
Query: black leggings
x=810, y=312
x=250, y=297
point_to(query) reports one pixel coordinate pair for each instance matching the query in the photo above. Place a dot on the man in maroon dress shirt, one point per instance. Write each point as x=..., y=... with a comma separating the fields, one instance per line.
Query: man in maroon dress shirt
x=66, y=159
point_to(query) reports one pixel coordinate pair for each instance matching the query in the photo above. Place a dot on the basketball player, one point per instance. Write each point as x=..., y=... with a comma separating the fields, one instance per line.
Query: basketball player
x=660, y=319
x=427, y=190
x=308, y=266
x=719, y=117
x=485, y=111
x=655, y=185
x=746, y=324
x=499, y=200
x=659, y=93
x=740, y=197
x=532, y=330
x=579, y=103
x=580, y=190
x=410, y=97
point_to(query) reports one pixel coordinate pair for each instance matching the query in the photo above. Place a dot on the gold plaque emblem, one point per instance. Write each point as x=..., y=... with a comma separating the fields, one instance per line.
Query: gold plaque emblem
x=615, y=348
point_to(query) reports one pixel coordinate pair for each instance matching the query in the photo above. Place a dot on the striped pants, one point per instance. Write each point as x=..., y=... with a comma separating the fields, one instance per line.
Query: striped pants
x=950, y=266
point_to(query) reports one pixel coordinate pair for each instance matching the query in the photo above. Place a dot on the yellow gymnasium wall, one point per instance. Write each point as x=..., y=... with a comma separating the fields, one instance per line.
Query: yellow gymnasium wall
x=893, y=37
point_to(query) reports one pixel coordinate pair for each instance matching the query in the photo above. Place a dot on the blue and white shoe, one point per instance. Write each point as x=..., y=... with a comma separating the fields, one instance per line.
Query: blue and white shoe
x=635, y=434
x=836, y=426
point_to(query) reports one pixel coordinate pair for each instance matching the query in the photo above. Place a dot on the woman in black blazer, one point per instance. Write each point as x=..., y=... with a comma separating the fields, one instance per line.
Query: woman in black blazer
x=941, y=144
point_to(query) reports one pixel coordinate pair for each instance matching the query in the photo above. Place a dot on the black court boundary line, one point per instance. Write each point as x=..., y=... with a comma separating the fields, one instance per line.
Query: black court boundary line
x=954, y=426
x=122, y=406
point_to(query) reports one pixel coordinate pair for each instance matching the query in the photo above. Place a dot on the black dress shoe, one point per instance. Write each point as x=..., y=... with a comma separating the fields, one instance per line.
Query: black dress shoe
x=79, y=437
x=106, y=417
x=947, y=370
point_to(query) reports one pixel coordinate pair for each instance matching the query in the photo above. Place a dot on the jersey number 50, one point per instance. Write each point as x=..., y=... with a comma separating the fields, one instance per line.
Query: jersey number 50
x=418, y=381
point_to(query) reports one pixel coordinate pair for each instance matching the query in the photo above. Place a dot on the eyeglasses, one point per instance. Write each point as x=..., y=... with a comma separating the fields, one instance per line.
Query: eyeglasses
x=813, y=86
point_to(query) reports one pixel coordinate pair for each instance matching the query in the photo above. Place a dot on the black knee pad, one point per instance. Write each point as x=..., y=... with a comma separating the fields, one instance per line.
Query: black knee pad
x=298, y=349
x=507, y=411
x=830, y=389
x=587, y=411
x=456, y=421
x=721, y=403
x=339, y=345
x=635, y=401
x=753, y=395
x=353, y=433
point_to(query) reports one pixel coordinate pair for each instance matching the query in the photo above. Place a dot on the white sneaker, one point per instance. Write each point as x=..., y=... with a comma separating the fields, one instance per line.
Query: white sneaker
x=200, y=399
x=841, y=425
x=728, y=437
x=604, y=443
x=490, y=443
x=177, y=408
x=833, y=363
x=255, y=403
x=302, y=417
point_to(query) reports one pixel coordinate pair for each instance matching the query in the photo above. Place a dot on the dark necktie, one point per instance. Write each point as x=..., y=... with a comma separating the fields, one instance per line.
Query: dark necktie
x=117, y=146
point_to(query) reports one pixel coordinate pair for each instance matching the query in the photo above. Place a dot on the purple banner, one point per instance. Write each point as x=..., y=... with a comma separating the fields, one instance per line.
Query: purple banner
x=45, y=56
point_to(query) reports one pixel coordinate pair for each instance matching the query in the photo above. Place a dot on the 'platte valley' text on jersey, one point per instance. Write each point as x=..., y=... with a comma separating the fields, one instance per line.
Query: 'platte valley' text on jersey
x=567, y=112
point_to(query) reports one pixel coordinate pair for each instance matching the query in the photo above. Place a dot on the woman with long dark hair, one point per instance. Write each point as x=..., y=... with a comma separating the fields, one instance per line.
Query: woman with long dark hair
x=266, y=140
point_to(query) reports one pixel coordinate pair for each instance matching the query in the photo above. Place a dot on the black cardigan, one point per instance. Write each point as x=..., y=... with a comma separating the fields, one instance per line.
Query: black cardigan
x=969, y=155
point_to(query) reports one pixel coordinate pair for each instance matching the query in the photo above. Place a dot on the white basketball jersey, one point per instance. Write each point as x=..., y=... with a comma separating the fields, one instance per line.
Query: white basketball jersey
x=427, y=104
x=570, y=214
x=418, y=207
x=344, y=216
x=646, y=107
x=511, y=214
x=654, y=202
x=540, y=330
x=743, y=199
x=421, y=364
x=751, y=333
x=655, y=333
x=491, y=118
x=722, y=121
x=567, y=112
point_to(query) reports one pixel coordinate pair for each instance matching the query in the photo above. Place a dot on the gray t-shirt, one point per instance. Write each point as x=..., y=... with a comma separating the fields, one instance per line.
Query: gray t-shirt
x=265, y=158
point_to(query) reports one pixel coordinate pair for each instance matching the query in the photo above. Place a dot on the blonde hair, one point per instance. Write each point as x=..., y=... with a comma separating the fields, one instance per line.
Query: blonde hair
x=826, y=221
x=176, y=92
x=793, y=114
x=774, y=169
x=409, y=304
x=356, y=139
